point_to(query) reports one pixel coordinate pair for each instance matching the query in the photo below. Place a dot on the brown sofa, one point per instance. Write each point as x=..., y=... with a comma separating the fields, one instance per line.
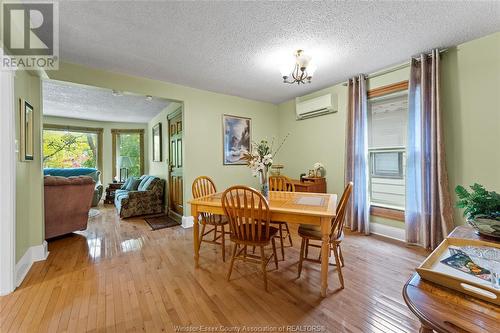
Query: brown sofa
x=67, y=203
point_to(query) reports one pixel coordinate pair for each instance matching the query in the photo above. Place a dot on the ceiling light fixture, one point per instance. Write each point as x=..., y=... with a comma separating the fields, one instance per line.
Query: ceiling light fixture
x=300, y=71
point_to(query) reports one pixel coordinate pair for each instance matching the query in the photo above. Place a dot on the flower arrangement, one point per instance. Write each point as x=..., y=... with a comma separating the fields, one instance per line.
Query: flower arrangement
x=260, y=159
x=318, y=169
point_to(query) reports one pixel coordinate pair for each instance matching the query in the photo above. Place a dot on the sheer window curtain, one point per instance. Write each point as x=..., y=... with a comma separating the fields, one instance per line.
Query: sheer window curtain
x=356, y=168
x=429, y=216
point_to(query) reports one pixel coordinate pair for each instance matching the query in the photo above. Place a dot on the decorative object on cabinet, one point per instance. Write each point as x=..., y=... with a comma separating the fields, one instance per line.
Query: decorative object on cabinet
x=276, y=169
x=319, y=169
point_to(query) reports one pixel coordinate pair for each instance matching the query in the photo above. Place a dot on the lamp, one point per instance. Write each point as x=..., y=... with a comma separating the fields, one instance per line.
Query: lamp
x=298, y=70
x=125, y=163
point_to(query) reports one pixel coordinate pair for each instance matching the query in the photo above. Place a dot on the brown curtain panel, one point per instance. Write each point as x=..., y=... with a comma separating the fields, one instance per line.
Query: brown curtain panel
x=356, y=168
x=429, y=214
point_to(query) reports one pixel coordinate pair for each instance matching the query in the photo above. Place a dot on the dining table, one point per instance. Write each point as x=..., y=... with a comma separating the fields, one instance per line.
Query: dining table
x=291, y=207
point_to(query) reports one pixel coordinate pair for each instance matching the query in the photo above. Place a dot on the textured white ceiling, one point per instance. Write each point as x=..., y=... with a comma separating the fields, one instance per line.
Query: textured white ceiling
x=233, y=47
x=84, y=102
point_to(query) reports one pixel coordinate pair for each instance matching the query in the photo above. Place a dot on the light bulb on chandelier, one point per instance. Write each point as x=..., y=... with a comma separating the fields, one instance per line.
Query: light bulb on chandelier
x=301, y=70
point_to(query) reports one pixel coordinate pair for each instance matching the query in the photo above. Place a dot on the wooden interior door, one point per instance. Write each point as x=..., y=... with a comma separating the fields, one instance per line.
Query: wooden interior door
x=175, y=154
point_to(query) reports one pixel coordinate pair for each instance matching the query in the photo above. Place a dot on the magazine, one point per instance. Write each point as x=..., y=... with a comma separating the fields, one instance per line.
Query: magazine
x=461, y=261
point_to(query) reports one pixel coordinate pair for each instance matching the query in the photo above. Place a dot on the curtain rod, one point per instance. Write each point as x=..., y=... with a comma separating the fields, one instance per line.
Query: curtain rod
x=392, y=69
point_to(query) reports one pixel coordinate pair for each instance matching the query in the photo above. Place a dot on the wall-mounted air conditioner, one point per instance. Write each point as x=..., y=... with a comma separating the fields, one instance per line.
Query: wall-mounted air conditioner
x=314, y=107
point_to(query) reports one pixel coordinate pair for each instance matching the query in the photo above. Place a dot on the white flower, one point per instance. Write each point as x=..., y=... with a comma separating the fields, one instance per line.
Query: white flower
x=318, y=166
x=267, y=159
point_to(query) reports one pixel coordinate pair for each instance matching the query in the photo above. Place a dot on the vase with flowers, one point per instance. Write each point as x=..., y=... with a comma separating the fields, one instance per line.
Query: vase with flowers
x=260, y=160
x=319, y=169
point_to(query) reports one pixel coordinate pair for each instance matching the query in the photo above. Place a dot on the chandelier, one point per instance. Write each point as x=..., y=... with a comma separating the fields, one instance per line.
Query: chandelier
x=300, y=71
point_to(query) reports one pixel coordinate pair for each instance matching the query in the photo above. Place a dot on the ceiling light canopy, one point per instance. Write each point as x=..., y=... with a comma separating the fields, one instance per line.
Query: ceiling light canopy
x=298, y=69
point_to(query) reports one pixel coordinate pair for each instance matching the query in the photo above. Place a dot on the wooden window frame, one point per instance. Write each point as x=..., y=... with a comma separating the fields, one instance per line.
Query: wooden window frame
x=389, y=213
x=389, y=89
x=114, y=134
x=79, y=129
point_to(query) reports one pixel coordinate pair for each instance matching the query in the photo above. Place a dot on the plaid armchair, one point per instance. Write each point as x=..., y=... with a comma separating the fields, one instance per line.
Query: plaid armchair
x=148, y=199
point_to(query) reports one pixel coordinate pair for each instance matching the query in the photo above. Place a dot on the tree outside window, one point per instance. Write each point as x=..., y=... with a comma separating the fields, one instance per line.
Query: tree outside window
x=69, y=149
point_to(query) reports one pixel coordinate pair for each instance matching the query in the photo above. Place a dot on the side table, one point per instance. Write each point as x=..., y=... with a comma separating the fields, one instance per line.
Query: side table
x=110, y=192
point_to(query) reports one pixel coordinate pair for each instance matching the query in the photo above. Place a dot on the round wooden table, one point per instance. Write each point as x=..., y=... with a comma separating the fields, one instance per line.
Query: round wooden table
x=445, y=310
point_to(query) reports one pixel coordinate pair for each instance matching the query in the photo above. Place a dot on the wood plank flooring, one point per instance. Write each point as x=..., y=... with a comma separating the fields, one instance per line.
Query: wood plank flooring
x=120, y=276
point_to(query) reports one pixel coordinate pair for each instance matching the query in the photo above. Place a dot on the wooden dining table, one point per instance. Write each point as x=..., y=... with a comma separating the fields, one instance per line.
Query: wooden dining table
x=291, y=207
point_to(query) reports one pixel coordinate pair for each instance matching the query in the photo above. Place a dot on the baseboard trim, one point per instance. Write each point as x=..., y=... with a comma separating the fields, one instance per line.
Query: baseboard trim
x=187, y=222
x=387, y=231
x=33, y=254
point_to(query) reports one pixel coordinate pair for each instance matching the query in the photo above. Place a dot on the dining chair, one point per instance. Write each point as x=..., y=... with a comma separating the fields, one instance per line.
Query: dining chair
x=282, y=183
x=248, y=214
x=203, y=186
x=312, y=232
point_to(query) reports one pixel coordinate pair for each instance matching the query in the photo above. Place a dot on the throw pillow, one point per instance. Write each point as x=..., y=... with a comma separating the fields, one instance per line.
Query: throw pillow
x=134, y=185
x=130, y=184
x=124, y=186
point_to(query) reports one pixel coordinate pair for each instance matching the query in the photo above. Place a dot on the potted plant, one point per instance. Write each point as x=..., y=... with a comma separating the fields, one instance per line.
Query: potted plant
x=481, y=209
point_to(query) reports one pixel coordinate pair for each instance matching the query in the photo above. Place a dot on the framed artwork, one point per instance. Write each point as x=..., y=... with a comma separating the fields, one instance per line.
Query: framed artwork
x=236, y=139
x=157, y=142
x=27, y=129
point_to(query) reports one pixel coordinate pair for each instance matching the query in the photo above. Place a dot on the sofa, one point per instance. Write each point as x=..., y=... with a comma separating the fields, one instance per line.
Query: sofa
x=140, y=196
x=72, y=172
x=67, y=202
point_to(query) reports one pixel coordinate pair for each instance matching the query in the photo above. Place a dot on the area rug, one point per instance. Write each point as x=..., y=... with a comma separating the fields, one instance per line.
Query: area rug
x=160, y=222
x=94, y=212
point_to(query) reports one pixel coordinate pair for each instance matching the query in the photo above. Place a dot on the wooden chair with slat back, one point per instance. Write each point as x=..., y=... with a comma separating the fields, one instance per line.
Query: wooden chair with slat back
x=248, y=214
x=203, y=186
x=282, y=183
x=309, y=232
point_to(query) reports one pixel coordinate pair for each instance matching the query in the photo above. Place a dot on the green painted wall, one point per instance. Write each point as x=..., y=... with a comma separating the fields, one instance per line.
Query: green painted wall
x=107, y=168
x=29, y=179
x=471, y=108
x=322, y=139
x=203, y=112
x=470, y=91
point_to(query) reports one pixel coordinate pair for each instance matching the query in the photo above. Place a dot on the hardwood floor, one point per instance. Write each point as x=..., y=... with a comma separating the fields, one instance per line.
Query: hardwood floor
x=120, y=276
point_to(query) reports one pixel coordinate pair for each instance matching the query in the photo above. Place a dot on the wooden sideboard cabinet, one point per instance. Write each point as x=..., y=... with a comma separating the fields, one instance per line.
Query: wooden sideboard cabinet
x=310, y=184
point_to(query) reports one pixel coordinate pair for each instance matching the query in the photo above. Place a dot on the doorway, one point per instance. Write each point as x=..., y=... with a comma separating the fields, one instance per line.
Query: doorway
x=175, y=208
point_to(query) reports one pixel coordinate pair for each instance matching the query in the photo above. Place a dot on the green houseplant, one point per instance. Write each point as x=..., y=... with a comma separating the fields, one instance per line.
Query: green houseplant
x=481, y=209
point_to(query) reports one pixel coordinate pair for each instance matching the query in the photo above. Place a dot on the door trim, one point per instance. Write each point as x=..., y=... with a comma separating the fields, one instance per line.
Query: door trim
x=170, y=116
x=8, y=151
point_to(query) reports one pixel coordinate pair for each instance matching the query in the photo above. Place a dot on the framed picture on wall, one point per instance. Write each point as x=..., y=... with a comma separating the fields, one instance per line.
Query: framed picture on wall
x=157, y=148
x=27, y=130
x=236, y=139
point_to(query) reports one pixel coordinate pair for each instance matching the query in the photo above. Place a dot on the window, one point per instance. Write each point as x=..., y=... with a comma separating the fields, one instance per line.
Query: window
x=72, y=147
x=128, y=153
x=387, y=164
x=387, y=121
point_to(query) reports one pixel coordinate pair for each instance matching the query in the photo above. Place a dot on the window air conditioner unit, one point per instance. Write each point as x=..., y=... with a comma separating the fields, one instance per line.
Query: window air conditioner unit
x=316, y=106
